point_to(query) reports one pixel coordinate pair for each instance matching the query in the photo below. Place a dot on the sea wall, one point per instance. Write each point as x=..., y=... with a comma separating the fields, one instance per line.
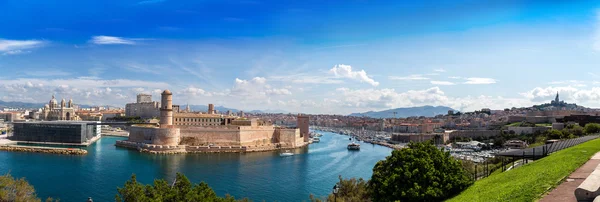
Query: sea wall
x=47, y=150
x=161, y=149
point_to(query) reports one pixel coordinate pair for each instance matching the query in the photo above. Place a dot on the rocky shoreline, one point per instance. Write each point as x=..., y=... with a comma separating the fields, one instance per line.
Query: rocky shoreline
x=47, y=150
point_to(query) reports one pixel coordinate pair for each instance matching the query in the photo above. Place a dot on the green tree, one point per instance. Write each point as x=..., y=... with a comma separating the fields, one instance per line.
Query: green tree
x=181, y=190
x=419, y=172
x=592, y=128
x=349, y=190
x=12, y=189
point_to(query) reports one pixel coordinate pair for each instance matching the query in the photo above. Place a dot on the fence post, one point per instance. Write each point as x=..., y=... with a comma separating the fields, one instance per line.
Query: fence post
x=523, y=155
x=476, y=172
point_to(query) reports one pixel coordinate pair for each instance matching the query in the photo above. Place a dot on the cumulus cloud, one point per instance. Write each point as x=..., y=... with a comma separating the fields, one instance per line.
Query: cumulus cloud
x=256, y=88
x=443, y=83
x=409, y=77
x=345, y=71
x=478, y=80
x=193, y=91
x=568, y=93
x=13, y=47
x=107, y=40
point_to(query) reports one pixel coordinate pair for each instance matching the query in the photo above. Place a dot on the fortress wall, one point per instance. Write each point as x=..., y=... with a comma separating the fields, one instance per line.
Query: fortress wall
x=167, y=136
x=261, y=135
x=141, y=134
x=203, y=136
x=290, y=137
x=158, y=136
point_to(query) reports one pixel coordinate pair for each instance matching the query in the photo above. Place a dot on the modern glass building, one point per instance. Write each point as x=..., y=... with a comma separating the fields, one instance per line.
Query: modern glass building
x=77, y=132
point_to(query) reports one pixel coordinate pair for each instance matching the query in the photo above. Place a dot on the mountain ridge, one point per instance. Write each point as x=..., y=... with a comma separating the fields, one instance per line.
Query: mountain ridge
x=404, y=112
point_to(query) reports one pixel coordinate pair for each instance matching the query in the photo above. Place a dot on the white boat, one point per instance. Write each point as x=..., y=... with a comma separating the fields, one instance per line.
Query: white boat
x=286, y=153
x=316, y=140
x=353, y=146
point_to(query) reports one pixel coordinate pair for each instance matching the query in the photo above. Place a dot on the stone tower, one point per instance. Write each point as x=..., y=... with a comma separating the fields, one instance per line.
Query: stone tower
x=211, y=109
x=303, y=125
x=166, y=109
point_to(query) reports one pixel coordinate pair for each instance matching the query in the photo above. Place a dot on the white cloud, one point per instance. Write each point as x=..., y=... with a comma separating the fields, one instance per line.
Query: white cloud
x=455, y=77
x=410, y=77
x=439, y=70
x=477, y=80
x=281, y=91
x=193, y=91
x=13, y=47
x=568, y=93
x=105, y=40
x=345, y=71
x=444, y=83
x=255, y=89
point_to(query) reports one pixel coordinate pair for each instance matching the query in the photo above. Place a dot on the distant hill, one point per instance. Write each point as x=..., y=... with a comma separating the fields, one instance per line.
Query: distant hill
x=4, y=104
x=428, y=111
x=26, y=105
x=204, y=108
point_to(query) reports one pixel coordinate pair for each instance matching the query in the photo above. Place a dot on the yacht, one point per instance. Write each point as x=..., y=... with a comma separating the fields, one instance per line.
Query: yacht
x=286, y=153
x=316, y=140
x=353, y=146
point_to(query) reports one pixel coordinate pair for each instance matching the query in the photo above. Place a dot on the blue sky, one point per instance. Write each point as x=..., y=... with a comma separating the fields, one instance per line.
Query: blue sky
x=302, y=56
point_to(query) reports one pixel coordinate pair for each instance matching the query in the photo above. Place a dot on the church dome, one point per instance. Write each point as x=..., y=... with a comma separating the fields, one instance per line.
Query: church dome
x=53, y=100
x=167, y=92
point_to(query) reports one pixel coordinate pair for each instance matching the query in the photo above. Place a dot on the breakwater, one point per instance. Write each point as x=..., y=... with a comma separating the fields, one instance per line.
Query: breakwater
x=47, y=150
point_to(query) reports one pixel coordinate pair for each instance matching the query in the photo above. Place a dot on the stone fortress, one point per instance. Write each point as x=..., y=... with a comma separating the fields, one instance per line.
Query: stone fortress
x=186, y=131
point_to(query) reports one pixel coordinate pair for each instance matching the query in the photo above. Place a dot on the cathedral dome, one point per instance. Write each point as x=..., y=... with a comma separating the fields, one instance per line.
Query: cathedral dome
x=53, y=101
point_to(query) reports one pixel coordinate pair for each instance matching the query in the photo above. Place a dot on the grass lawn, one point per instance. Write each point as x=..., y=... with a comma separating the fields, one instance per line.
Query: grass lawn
x=531, y=181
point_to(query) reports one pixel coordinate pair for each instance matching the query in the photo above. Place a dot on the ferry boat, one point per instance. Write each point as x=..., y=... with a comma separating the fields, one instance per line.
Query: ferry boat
x=316, y=140
x=353, y=146
x=286, y=153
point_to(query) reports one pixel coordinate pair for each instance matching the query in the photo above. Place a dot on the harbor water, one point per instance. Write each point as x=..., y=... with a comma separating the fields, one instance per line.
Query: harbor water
x=258, y=176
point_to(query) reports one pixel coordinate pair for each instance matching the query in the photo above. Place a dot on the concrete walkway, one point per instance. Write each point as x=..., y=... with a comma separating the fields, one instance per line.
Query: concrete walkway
x=565, y=192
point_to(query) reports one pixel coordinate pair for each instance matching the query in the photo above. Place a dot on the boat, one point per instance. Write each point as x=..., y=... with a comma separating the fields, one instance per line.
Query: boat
x=316, y=139
x=286, y=153
x=353, y=146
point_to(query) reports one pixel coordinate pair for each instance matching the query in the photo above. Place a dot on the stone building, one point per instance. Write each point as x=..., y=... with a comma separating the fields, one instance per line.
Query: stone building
x=144, y=107
x=52, y=111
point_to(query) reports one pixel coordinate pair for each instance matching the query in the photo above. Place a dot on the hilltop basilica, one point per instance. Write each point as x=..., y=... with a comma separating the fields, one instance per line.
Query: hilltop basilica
x=52, y=111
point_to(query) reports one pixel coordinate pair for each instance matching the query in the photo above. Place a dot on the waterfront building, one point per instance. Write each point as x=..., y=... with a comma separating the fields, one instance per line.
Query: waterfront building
x=144, y=107
x=52, y=111
x=74, y=132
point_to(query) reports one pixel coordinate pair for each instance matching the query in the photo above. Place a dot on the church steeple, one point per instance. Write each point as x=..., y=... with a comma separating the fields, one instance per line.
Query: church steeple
x=556, y=99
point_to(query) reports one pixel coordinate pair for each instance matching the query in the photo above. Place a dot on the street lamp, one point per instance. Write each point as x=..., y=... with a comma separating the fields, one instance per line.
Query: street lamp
x=335, y=191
